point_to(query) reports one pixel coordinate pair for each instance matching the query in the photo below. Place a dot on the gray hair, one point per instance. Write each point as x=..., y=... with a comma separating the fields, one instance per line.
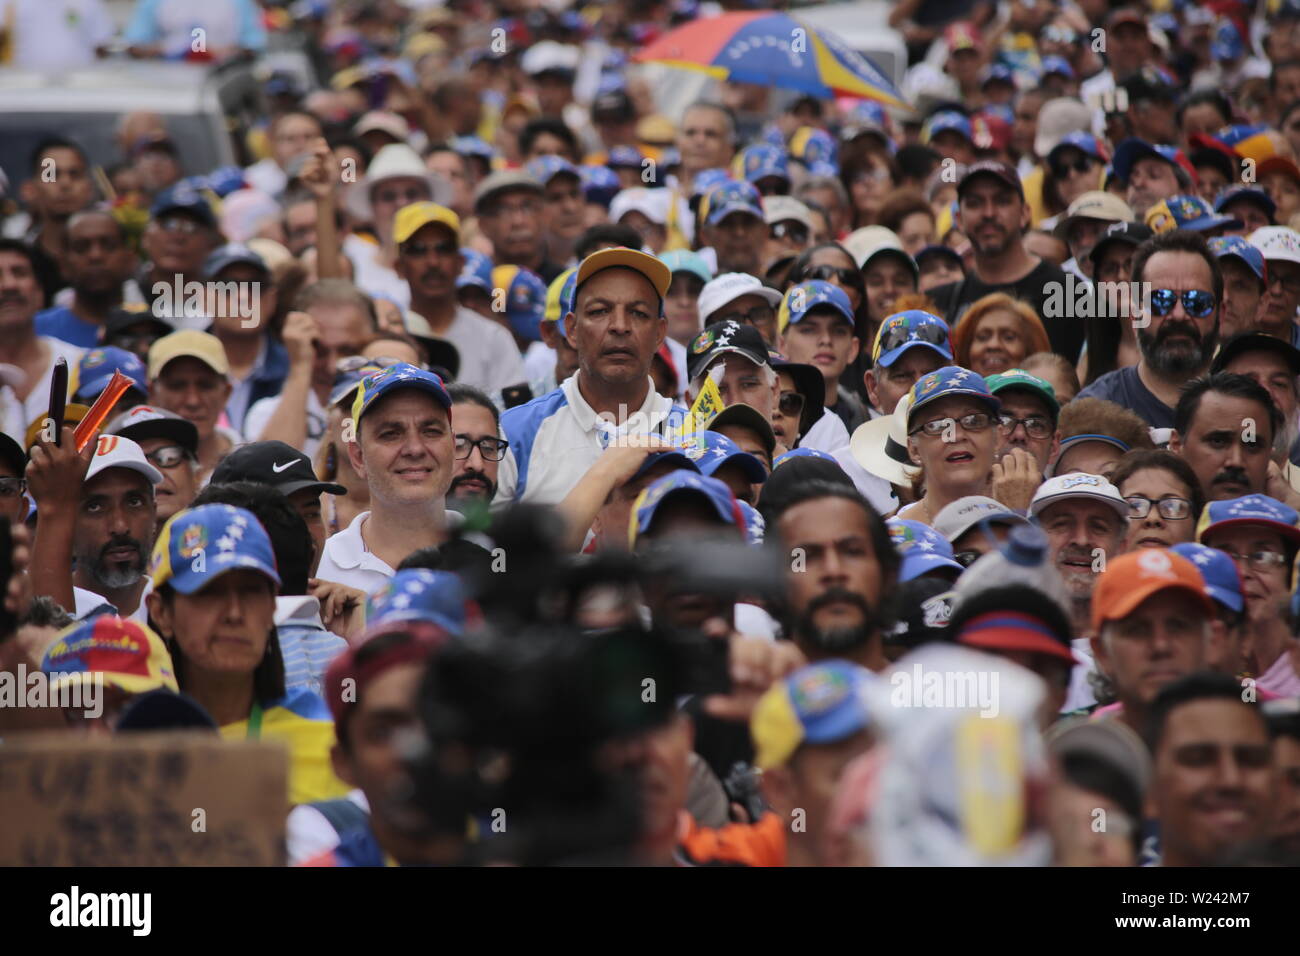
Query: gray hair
x=832, y=183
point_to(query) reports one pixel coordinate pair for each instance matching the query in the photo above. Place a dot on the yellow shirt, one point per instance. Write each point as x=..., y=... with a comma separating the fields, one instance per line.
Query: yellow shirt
x=302, y=721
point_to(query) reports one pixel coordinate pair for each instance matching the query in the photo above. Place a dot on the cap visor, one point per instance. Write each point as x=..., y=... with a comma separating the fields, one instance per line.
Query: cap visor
x=192, y=581
x=893, y=355
x=1126, y=604
x=915, y=566
x=1287, y=531
x=996, y=639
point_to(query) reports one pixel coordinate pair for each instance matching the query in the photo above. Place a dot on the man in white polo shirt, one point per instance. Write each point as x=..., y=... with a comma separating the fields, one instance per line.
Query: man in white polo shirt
x=616, y=326
x=404, y=449
x=105, y=521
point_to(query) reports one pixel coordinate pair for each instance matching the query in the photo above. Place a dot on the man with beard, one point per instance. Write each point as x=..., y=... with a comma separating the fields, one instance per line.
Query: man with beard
x=1224, y=428
x=59, y=185
x=97, y=261
x=429, y=260
x=104, y=521
x=1275, y=367
x=1276, y=314
x=1244, y=284
x=479, y=448
x=1179, y=332
x=843, y=570
x=1213, y=788
x=992, y=212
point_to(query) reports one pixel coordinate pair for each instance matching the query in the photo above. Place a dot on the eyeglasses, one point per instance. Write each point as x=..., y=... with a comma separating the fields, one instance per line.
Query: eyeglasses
x=849, y=277
x=1196, y=302
x=1060, y=169
x=1036, y=426
x=492, y=449
x=179, y=224
x=967, y=558
x=791, y=404
x=166, y=456
x=421, y=249
x=974, y=422
x=794, y=231
x=11, y=488
x=1259, y=560
x=930, y=333
x=759, y=313
x=1171, y=509
x=1290, y=286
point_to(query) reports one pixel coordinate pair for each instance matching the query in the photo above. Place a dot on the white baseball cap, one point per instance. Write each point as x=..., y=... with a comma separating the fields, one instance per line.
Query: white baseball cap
x=785, y=208
x=118, y=451
x=1078, y=485
x=1277, y=243
x=870, y=241
x=730, y=286
x=651, y=203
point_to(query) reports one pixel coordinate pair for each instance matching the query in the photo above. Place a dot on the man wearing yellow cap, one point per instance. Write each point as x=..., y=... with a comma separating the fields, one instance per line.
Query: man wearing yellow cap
x=429, y=260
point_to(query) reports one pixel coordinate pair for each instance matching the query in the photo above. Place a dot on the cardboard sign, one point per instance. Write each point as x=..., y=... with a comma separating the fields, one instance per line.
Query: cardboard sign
x=167, y=799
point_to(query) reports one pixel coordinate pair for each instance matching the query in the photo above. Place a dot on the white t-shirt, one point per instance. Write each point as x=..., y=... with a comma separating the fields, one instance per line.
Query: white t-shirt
x=259, y=416
x=267, y=176
x=489, y=358
x=828, y=433
x=87, y=601
x=55, y=35
x=372, y=276
x=19, y=414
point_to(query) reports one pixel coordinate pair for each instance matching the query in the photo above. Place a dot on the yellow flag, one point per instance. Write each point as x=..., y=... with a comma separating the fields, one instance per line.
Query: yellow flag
x=707, y=404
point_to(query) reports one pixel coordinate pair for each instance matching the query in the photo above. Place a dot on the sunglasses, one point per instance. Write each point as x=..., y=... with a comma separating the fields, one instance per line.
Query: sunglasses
x=1081, y=165
x=1196, y=302
x=791, y=404
x=166, y=456
x=849, y=277
x=927, y=332
x=794, y=231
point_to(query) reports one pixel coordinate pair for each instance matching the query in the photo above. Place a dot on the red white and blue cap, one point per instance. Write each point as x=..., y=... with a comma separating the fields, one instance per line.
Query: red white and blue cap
x=921, y=327
x=476, y=272
x=1011, y=630
x=1237, y=247
x=947, y=382
x=1250, y=510
x=714, y=492
x=98, y=366
x=721, y=201
x=198, y=545
x=397, y=377
x=922, y=549
x=1219, y=571
x=755, y=526
x=418, y=594
x=714, y=450
x=123, y=653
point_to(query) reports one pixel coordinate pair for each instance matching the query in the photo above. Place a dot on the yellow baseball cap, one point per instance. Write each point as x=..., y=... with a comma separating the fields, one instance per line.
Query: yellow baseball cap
x=411, y=219
x=72, y=415
x=188, y=343
x=652, y=267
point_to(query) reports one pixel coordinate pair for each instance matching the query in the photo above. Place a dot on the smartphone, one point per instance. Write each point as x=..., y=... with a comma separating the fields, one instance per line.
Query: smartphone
x=513, y=395
x=8, y=620
x=58, y=397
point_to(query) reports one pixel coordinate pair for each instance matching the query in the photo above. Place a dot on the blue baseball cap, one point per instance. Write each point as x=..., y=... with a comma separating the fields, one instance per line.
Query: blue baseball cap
x=525, y=300
x=713, y=450
x=599, y=184
x=684, y=260
x=678, y=459
x=946, y=120
x=396, y=377
x=1227, y=43
x=824, y=703
x=473, y=146
x=709, y=179
x=999, y=72
x=346, y=382
x=625, y=157
x=816, y=149
x=762, y=160
x=97, y=368
x=1057, y=64
x=232, y=254
x=1250, y=510
x=1190, y=213
x=418, y=594
x=1080, y=140
x=1250, y=194
x=1237, y=247
x=755, y=526
x=1218, y=570
x=794, y=453
x=813, y=294
x=198, y=545
x=947, y=382
x=713, y=491
x=545, y=168
x=721, y=201
x=477, y=271
x=1133, y=149
x=184, y=197
x=922, y=549
x=224, y=180
x=903, y=331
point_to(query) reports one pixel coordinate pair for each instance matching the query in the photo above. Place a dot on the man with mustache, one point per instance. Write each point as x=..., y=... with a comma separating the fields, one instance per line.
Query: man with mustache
x=993, y=213
x=1151, y=173
x=429, y=259
x=1224, y=427
x=479, y=447
x=104, y=521
x=97, y=260
x=1177, y=329
x=1213, y=790
x=843, y=571
x=1275, y=366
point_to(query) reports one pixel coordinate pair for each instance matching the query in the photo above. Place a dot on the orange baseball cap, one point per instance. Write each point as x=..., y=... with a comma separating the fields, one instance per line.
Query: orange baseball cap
x=1132, y=578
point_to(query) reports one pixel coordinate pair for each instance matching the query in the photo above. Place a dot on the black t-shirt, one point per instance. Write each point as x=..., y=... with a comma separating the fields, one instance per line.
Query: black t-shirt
x=1065, y=334
x=1124, y=387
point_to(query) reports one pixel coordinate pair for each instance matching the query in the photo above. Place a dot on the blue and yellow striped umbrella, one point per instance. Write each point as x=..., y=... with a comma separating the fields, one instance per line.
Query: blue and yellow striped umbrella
x=772, y=49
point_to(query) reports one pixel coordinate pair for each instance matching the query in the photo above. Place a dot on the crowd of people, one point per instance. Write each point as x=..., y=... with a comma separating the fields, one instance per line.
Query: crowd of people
x=791, y=481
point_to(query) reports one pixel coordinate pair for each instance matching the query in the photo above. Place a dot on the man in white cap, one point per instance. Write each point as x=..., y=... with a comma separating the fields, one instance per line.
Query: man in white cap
x=741, y=297
x=105, y=521
x=1083, y=224
x=646, y=211
x=1276, y=315
x=395, y=178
